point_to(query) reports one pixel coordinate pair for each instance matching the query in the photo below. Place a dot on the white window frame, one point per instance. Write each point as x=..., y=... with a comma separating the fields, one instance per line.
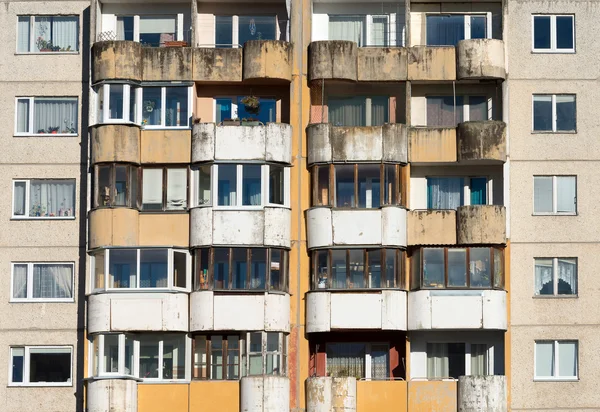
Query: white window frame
x=30, y=297
x=187, y=357
x=554, y=113
x=235, y=27
x=553, y=34
x=554, y=197
x=394, y=38
x=136, y=23
x=26, y=216
x=467, y=17
x=556, y=362
x=30, y=120
x=170, y=274
x=104, y=113
x=246, y=353
x=468, y=352
x=26, y=364
x=120, y=360
x=163, y=112
x=32, y=34
x=555, y=277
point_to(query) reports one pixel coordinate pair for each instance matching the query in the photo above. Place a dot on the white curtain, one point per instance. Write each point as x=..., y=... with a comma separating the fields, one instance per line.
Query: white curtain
x=444, y=193
x=379, y=362
x=350, y=28
x=567, y=276
x=52, y=198
x=19, y=281
x=479, y=359
x=152, y=189
x=437, y=360
x=176, y=189
x=23, y=116
x=52, y=281
x=347, y=111
x=566, y=193
x=346, y=360
x=64, y=32
x=23, y=34
x=19, y=202
x=55, y=114
x=544, y=284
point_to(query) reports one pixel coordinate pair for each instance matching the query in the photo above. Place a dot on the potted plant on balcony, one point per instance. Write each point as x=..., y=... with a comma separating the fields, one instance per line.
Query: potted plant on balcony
x=250, y=121
x=53, y=130
x=252, y=106
x=231, y=122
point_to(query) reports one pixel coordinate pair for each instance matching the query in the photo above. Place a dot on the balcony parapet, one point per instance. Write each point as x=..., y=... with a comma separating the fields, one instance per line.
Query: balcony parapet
x=481, y=224
x=112, y=395
x=431, y=227
x=268, y=59
x=482, y=142
x=115, y=143
x=325, y=394
x=470, y=389
x=265, y=393
x=480, y=59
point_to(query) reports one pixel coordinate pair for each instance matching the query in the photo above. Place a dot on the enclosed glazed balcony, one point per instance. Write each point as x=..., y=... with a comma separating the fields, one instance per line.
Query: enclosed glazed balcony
x=480, y=59
x=264, y=393
x=112, y=395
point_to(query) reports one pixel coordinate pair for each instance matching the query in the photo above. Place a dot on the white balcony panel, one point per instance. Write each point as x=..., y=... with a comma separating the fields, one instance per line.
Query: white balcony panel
x=393, y=224
x=120, y=312
x=319, y=226
x=265, y=394
x=112, y=395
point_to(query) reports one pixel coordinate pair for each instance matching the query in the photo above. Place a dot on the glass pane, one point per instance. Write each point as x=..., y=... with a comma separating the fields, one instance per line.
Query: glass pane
x=120, y=186
x=542, y=113
x=149, y=358
x=156, y=30
x=56, y=33
x=223, y=34
x=133, y=104
x=256, y=28
x=277, y=270
x=415, y=275
x=110, y=357
x=116, y=101
x=566, y=189
x=151, y=105
x=129, y=342
x=437, y=360
x=542, y=194
x=478, y=189
x=199, y=368
x=239, y=268
x=444, y=111
x=103, y=183
x=456, y=360
x=23, y=30
x=266, y=111
x=445, y=193
x=392, y=269
x=256, y=342
x=19, y=281
x=95, y=355
x=174, y=357
x=52, y=281
x=216, y=358
x=349, y=28
x=544, y=276
x=255, y=366
x=176, y=108
x=346, y=360
x=544, y=359
x=19, y=206
x=258, y=268
x=480, y=267
x=379, y=31
x=379, y=110
x=567, y=359
x=498, y=269
x=357, y=268
x=478, y=27
x=204, y=183
x=50, y=365
x=478, y=108
x=179, y=269
x=541, y=32
x=227, y=185
x=202, y=264
x=339, y=268
x=369, y=186
x=347, y=111
x=380, y=365
x=134, y=198
x=276, y=193
x=153, y=268
x=321, y=263
x=152, y=189
x=457, y=267
x=99, y=275
x=390, y=196
x=433, y=268
x=272, y=342
x=221, y=268
x=322, y=185
x=23, y=116
x=123, y=268
x=374, y=261
x=564, y=32
x=565, y=112
x=344, y=186
x=479, y=359
x=445, y=30
x=52, y=198
x=251, y=182
x=567, y=276
x=177, y=189
x=125, y=28
x=18, y=364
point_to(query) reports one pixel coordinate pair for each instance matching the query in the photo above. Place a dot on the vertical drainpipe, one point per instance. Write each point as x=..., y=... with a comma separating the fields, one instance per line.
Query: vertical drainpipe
x=408, y=92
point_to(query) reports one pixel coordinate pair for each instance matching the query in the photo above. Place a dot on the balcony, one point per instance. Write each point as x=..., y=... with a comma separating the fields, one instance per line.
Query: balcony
x=115, y=143
x=264, y=393
x=268, y=60
x=431, y=227
x=116, y=60
x=233, y=311
x=480, y=59
x=470, y=389
x=427, y=63
x=328, y=227
x=482, y=224
x=482, y=142
x=328, y=143
x=457, y=309
x=362, y=309
x=167, y=63
x=429, y=145
x=270, y=143
x=112, y=395
x=133, y=311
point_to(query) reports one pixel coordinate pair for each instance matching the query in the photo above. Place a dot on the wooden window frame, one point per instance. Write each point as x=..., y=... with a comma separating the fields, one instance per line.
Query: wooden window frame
x=225, y=357
x=131, y=171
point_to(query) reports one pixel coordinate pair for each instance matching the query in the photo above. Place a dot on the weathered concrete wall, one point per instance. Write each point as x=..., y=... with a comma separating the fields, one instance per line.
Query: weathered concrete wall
x=431, y=63
x=382, y=64
x=432, y=145
x=268, y=59
x=482, y=141
x=113, y=227
x=481, y=224
x=113, y=60
x=115, y=143
x=480, y=59
x=167, y=63
x=482, y=393
x=217, y=65
x=334, y=59
x=343, y=397
x=327, y=394
x=265, y=394
x=431, y=227
x=166, y=229
x=432, y=396
x=165, y=146
x=112, y=395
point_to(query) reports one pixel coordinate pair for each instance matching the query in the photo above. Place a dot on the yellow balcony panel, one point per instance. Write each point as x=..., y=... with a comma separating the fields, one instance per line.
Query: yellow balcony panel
x=215, y=396
x=428, y=63
x=382, y=64
x=268, y=60
x=113, y=227
x=332, y=60
x=217, y=65
x=112, y=395
x=480, y=59
x=164, y=229
x=481, y=224
x=115, y=143
x=432, y=145
x=431, y=227
x=159, y=398
x=482, y=142
x=166, y=146
x=167, y=63
x=116, y=60
x=375, y=396
x=432, y=396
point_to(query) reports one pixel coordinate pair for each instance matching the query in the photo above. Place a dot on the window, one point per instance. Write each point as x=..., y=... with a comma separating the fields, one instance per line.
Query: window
x=247, y=185
x=118, y=103
x=42, y=282
x=358, y=360
x=217, y=357
x=241, y=269
x=265, y=354
x=554, y=113
x=41, y=34
x=555, y=276
x=167, y=106
x=448, y=111
x=448, y=193
x=451, y=360
x=113, y=355
x=35, y=199
x=554, y=195
x=228, y=108
x=155, y=268
x=357, y=186
x=162, y=357
x=150, y=31
x=40, y=366
x=556, y=359
x=553, y=33
x=234, y=31
x=473, y=267
x=164, y=189
x=449, y=29
x=357, y=268
x=358, y=110
x=46, y=115
x=116, y=185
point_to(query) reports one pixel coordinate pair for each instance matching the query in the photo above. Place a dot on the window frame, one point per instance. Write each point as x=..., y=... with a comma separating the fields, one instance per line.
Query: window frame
x=31, y=41
x=281, y=353
x=468, y=353
x=466, y=192
x=556, y=361
x=225, y=356
x=131, y=170
x=555, y=279
x=553, y=34
x=103, y=113
x=165, y=187
x=26, y=363
x=554, y=113
x=121, y=356
x=26, y=215
x=163, y=106
x=31, y=117
x=235, y=25
x=466, y=107
x=29, y=293
x=467, y=23
x=555, y=211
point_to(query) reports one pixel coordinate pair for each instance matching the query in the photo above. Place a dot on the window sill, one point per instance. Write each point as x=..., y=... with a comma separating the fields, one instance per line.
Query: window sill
x=551, y=51
x=162, y=381
x=46, y=135
x=556, y=379
x=74, y=53
x=551, y=297
x=42, y=300
x=163, y=212
x=552, y=132
x=137, y=290
x=554, y=214
x=243, y=291
x=16, y=218
x=146, y=127
x=40, y=384
x=115, y=376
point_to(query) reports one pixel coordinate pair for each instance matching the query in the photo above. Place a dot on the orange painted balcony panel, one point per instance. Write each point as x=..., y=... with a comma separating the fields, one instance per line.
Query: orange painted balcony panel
x=381, y=396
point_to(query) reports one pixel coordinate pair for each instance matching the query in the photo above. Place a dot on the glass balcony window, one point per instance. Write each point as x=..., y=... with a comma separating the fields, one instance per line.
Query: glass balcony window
x=116, y=185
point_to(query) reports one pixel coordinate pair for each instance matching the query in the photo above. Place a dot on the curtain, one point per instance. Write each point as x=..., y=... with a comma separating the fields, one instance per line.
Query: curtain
x=23, y=34
x=566, y=193
x=55, y=115
x=478, y=191
x=441, y=111
x=19, y=202
x=379, y=362
x=347, y=111
x=567, y=276
x=544, y=277
x=445, y=30
x=152, y=182
x=176, y=189
x=64, y=32
x=120, y=28
x=379, y=110
x=52, y=198
x=350, y=28
x=437, y=360
x=19, y=281
x=479, y=359
x=23, y=116
x=444, y=192
x=346, y=360
x=52, y=281
x=153, y=268
x=251, y=185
